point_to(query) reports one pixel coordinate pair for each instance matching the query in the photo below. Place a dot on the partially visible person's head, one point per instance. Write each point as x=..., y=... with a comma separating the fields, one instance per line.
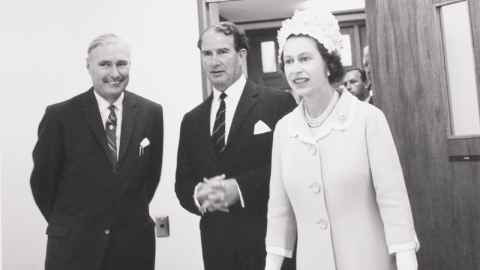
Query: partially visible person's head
x=366, y=62
x=223, y=48
x=355, y=81
x=108, y=63
x=309, y=46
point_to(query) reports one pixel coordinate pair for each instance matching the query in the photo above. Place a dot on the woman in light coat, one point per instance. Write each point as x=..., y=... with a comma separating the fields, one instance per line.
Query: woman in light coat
x=336, y=188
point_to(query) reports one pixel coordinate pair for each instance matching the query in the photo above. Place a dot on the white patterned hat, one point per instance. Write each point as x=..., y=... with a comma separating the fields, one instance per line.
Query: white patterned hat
x=315, y=22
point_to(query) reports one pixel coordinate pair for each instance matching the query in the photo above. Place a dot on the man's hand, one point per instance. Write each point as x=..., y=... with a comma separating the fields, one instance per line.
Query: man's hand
x=215, y=202
x=217, y=194
x=228, y=188
x=209, y=198
x=202, y=192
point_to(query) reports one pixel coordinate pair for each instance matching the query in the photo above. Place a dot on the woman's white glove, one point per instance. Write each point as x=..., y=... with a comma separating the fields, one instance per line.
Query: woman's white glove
x=273, y=262
x=406, y=260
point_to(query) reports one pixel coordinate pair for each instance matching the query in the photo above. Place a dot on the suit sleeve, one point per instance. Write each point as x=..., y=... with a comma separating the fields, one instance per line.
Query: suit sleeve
x=254, y=183
x=186, y=180
x=48, y=158
x=157, y=157
x=281, y=224
x=388, y=180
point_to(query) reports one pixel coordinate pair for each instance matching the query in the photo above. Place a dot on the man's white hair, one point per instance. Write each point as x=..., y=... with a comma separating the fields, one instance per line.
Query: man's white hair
x=103, y=40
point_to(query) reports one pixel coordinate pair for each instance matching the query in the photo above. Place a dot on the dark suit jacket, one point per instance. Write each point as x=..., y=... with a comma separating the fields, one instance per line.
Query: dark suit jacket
x=233, y=240
x=97, y=215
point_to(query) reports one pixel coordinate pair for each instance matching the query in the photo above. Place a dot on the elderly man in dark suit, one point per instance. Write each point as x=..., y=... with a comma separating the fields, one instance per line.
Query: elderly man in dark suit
x=97, y=164
x=223, y=164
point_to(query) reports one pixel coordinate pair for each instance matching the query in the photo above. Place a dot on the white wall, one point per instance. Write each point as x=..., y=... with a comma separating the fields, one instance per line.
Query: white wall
x=42, y=51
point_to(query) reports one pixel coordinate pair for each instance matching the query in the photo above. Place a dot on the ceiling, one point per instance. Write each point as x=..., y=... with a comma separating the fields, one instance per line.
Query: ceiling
x=260, y=10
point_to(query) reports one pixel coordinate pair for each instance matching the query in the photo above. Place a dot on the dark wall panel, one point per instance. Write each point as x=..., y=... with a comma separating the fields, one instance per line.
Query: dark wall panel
x=409, y=82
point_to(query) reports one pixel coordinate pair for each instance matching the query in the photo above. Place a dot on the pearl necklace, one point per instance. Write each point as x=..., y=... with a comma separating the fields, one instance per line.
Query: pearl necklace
x=318, y=121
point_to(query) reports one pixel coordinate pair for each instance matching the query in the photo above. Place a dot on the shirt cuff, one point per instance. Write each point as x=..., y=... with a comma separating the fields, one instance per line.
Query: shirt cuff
x=273, y=261
x=195, y=191
x=406, y=260
x=280, y=251
x=414, y=245
x=242, y=202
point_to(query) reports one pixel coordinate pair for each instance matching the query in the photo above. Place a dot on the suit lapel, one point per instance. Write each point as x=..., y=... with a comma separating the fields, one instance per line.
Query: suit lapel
x=247, y=101
x=94, y=120
x=204, y=128
x=129, y=114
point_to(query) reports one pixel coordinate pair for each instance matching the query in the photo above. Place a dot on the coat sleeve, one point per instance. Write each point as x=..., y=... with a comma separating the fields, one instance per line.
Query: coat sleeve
x=281, y=223
x=186, y=180
x=254, y=183
x=157, y=157
x=48, y=158
x=388, y=180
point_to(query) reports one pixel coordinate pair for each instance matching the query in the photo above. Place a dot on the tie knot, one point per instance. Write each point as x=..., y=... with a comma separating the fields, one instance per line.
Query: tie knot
x=223, y=96
x=111, y=108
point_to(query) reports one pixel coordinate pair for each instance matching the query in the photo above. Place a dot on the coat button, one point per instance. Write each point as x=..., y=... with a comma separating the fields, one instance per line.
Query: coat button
x=315, y=187
x=323, y=224
x=106, y=232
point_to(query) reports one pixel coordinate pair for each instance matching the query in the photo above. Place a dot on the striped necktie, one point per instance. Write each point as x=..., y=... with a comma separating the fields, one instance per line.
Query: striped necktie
x=218, y=134
x=111, y=132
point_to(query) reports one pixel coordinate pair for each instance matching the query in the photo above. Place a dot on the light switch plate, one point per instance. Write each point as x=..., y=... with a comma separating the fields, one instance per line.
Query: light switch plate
x=162, y=226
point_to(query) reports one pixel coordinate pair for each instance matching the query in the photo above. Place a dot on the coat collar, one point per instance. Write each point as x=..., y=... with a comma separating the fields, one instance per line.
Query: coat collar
x=128, y=121
x=129, y=114
x=247, y=101
x=94, y=120
x=340, y=119
x=204, y=128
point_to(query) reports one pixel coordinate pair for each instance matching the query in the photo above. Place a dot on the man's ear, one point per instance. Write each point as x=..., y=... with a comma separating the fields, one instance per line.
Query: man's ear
x=243, y=53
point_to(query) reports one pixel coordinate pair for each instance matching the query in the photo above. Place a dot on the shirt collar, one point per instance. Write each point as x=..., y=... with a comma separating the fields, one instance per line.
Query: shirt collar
x=234, y=91
x=103, y=104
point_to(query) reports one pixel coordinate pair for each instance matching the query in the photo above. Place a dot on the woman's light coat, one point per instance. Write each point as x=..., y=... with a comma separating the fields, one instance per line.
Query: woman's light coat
x=342, y=192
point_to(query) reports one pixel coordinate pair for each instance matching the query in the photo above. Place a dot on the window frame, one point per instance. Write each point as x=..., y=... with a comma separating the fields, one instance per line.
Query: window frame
x=460, y=147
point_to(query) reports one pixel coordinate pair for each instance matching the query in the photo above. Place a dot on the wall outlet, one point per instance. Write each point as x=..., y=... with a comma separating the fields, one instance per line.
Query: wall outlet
x=162, y=226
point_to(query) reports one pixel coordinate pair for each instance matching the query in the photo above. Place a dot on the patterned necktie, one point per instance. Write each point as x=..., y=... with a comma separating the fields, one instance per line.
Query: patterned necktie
x=218, y=134
x=111, y=132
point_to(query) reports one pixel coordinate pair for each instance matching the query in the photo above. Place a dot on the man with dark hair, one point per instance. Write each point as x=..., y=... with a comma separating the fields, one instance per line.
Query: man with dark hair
x=355, y=81
x=96, y=166
x=224, y=153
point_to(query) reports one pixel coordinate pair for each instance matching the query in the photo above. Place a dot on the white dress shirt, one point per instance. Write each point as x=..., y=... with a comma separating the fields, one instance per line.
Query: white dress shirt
x=103, y=105
x=234, y=92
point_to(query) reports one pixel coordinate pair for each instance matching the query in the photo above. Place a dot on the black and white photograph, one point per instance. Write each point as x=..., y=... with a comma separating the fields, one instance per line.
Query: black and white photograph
x=240, y=135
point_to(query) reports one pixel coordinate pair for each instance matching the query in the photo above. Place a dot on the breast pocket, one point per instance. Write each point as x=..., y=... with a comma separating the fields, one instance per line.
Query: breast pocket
x=262, y=139
x=140, y=146
x=259, y=146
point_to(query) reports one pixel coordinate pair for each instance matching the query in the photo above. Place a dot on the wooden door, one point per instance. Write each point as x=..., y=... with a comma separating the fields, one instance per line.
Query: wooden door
x=411, y=86
x=273, y=78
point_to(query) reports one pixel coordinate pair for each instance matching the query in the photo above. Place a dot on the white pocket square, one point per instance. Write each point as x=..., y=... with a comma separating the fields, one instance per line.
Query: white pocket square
x=260, y=128
x=143, y=144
